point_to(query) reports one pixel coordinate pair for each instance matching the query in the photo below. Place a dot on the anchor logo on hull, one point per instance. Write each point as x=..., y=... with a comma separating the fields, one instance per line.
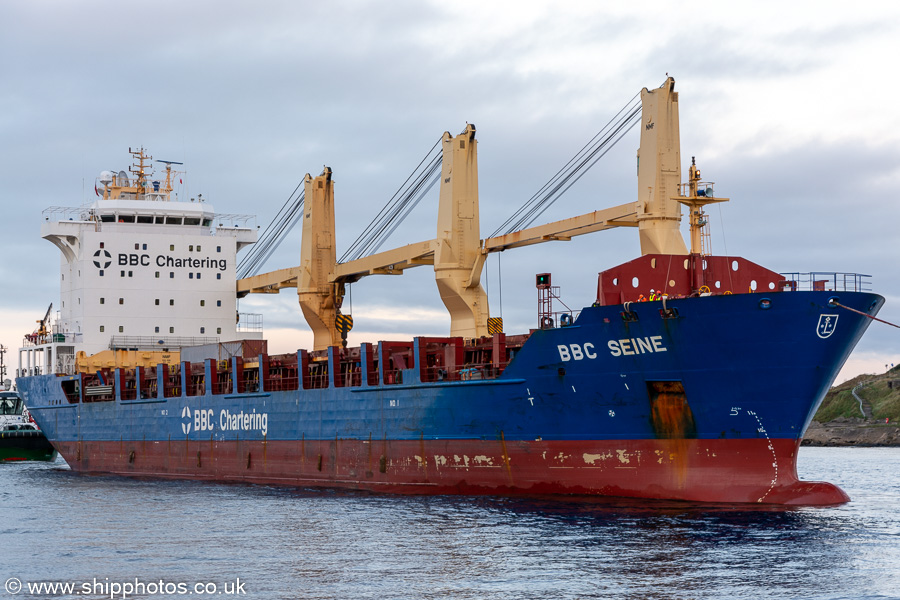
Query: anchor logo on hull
x=826, y=325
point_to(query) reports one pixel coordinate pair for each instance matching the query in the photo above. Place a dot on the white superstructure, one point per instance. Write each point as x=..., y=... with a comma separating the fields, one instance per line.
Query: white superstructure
x=142, y=271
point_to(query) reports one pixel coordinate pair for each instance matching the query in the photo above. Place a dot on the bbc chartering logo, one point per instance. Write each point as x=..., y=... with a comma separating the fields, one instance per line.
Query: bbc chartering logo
x=102, y=259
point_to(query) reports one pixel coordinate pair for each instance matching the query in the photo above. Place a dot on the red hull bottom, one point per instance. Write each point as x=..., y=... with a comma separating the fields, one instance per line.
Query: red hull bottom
x=733, y=471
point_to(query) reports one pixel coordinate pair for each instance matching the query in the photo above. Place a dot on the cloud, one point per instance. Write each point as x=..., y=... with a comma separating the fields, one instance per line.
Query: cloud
x=790, y=116
x=862, y=362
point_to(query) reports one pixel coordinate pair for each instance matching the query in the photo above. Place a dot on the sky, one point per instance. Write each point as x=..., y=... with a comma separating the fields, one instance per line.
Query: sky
x=788, y=107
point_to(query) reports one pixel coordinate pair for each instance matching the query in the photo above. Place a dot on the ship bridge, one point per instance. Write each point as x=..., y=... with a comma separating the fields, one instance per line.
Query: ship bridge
x=142, y=274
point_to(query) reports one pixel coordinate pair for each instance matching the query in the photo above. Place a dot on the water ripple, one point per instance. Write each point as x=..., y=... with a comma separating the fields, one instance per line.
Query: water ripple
x=288, y=543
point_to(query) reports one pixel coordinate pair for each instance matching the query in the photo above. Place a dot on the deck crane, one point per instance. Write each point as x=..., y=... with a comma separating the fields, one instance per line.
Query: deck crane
x=42, y=329
x=457, y=253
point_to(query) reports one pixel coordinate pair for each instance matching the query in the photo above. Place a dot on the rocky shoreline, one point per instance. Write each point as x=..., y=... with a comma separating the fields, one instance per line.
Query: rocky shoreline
x=844, y=431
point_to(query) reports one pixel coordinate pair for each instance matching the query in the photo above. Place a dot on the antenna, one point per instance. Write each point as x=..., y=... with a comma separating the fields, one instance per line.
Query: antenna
x=169, y=163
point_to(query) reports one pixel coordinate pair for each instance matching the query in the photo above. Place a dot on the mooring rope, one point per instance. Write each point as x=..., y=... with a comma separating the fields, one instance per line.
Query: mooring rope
x=859, y=312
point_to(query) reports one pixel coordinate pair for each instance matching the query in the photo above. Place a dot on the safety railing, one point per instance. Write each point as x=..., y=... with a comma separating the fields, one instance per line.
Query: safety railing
x=151, y=343
x=704, y=189
x=250, y=322
x=468, y=372
x=827, y=281
x=563, y=318
x=35, y=339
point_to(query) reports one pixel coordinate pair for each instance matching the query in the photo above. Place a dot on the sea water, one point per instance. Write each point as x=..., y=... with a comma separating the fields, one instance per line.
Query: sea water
x=113, y=537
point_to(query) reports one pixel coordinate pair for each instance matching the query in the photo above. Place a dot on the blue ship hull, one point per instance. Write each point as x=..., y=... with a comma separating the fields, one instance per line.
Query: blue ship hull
x=708, y=402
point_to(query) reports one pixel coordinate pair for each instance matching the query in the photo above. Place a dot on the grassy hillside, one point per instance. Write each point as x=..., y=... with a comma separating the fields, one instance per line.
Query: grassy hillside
x=883, y=400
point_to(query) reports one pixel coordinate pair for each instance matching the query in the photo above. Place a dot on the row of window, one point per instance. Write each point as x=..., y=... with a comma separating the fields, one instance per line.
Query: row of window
x=122, y=301
x=148, y=220
x=171, y=301
x=156, y=329
x=139, y=246
x=171, y=274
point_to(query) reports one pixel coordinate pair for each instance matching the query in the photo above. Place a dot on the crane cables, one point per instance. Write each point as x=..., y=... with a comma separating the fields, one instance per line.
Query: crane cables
x=575, y=169
x=404, y=200
x=274, y=234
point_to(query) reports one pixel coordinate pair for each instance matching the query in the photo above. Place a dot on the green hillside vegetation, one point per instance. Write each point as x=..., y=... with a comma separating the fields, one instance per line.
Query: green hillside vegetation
x=881, y=392
x=838, y=404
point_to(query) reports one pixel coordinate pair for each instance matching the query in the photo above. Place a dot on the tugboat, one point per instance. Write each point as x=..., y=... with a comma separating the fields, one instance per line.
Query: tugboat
x=20, y=438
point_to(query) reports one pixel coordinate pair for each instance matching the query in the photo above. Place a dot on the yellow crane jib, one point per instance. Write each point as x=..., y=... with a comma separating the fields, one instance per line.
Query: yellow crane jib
x=457, y=253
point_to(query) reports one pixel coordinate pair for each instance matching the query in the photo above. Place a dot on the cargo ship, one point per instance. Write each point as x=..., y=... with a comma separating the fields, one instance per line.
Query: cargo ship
x=690, y=376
